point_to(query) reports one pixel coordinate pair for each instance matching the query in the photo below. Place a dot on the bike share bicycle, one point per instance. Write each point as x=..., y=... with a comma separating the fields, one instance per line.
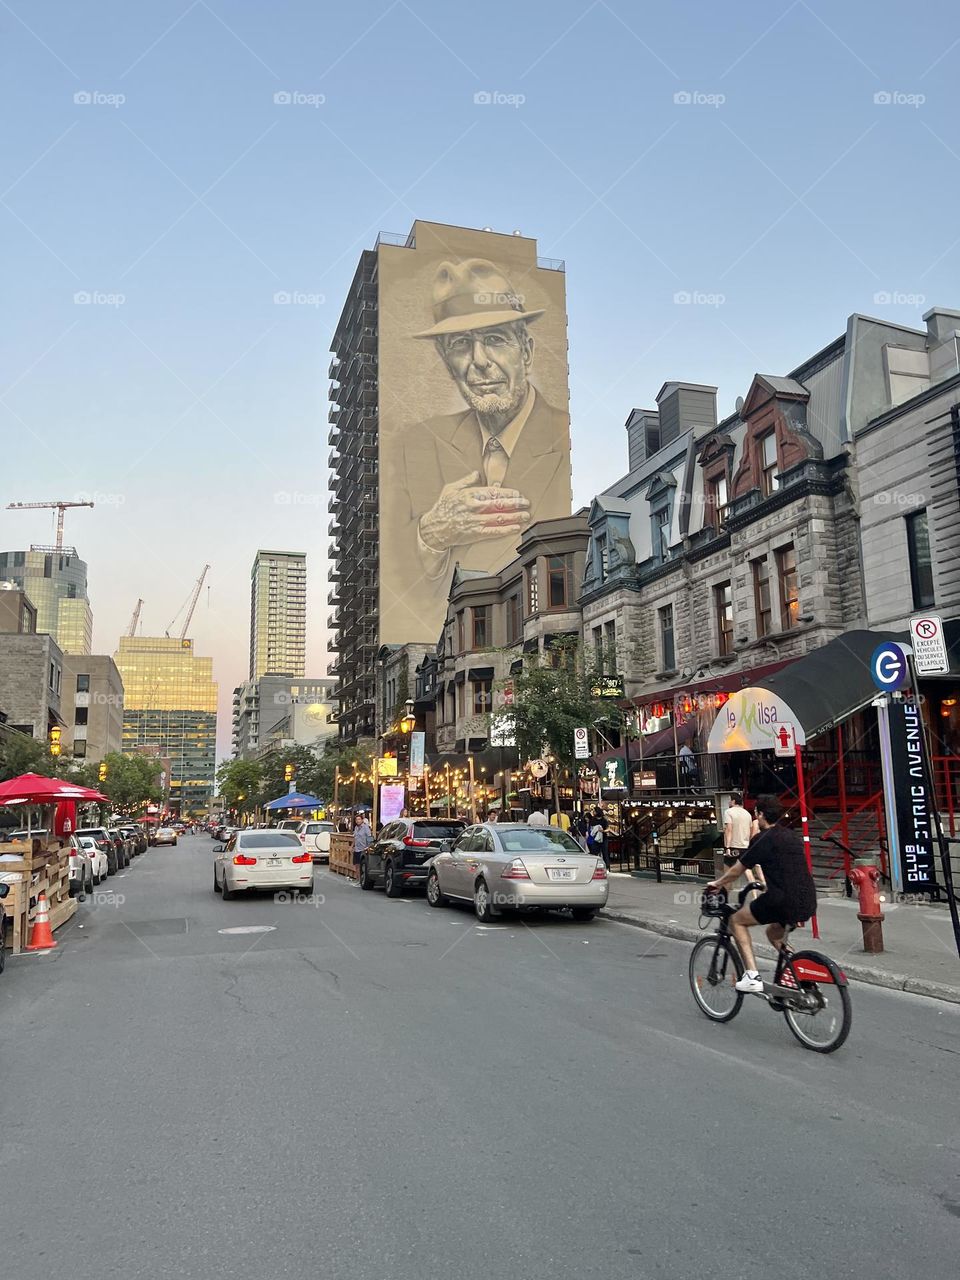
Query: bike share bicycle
x=807, y=988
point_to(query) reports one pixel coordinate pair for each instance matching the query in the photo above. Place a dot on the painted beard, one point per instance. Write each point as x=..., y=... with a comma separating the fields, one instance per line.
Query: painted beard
x=488, y=405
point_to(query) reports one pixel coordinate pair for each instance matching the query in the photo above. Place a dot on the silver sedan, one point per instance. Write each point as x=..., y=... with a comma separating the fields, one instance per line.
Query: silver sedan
x=510, y=866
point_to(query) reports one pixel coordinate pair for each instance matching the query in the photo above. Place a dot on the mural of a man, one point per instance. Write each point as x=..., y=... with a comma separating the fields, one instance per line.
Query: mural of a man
x=472, y=481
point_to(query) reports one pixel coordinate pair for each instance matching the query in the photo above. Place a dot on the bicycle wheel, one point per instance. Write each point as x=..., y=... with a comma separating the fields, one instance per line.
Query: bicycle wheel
x=715, y=966
x=825, y=1025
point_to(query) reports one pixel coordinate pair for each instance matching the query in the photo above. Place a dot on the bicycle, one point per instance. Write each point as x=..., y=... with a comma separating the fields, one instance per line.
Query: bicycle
x=807, y=988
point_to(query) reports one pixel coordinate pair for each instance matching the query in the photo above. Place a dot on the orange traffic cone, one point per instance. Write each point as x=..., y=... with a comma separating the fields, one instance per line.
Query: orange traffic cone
x=41, y=935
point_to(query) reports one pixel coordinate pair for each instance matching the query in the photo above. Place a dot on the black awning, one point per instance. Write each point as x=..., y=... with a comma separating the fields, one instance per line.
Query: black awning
x=516, y=667
x=480, y=673
x=826, y=686
x=459, y=678
x=531, y=646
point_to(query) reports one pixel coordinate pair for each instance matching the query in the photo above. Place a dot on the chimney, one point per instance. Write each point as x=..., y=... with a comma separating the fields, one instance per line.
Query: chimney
x=643, y=436
x=686, y=406
x=943, y=342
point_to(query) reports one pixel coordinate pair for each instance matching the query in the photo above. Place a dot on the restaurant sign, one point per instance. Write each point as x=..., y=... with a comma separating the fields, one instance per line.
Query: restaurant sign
x=749, y=721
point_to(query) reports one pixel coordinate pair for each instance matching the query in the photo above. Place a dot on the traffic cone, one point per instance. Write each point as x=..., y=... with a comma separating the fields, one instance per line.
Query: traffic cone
x=41, y=935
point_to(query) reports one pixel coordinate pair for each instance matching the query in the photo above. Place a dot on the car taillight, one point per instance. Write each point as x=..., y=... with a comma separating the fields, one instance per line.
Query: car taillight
x=302, y=857
x=415, y=844
x=301, y=837
x=515, y=871
x=241, y=860
x=600, y=872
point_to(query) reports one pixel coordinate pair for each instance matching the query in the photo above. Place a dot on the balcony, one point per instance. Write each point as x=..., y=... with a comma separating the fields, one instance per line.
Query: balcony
x=333, y=436
x=334, y=367
x=333, y=597
x=333, y=413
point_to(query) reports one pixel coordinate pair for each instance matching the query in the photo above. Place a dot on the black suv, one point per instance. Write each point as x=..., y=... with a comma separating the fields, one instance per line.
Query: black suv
x=397, y=856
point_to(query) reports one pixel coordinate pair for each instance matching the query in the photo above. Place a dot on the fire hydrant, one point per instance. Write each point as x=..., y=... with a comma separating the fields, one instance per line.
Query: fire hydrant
x=866, y=876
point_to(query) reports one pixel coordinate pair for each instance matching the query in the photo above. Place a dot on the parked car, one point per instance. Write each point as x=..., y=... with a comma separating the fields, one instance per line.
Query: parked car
x=98, y=858
x=398, y=857
x=288, y=824
x=315, y=836
x=254, y=859
x=123, y=846
x=4, y=890
x=165, y=835
x=134, y=833
x=104, y=843
x=81, y=869
x=510, y=866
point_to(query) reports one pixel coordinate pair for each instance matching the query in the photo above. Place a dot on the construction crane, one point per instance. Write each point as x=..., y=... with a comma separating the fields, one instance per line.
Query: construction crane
x=59, y=507
x=190, y=606
x=132, y=628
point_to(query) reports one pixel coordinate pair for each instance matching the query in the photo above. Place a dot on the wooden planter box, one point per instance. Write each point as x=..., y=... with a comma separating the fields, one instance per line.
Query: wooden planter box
x=341, y=854
x=37, y=870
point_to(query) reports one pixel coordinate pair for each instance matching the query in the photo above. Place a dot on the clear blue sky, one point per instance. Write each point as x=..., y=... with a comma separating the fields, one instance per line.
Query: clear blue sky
x=782, y=187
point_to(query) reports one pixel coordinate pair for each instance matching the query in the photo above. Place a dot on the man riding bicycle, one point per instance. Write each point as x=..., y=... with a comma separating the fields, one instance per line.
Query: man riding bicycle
x=790, y=897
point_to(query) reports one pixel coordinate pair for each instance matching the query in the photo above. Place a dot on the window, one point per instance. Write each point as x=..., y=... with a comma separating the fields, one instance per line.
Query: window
x=661, y=534
x=460, y=688
x=482, y=697
x=717, y=501
x=83, y=684
x=514, y=619
x=604, y=557
x=558, y=576
x=80, y=749
x=52, y=680
x=610, y=646
x=668, y=651
x=761, y=596
x=789, y=595
x=461, y=641
x=481, y=626
x=723, y=607
x=921, y=563
x=598, y=647
x=533, y=590
x=80, y=715
x=768, y=464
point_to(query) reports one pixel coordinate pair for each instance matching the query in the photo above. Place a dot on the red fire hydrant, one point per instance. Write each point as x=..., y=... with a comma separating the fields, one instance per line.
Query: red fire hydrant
x=866, y=876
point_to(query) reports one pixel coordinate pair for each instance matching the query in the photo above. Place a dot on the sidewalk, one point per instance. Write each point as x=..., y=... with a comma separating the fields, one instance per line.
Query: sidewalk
x=920, y=954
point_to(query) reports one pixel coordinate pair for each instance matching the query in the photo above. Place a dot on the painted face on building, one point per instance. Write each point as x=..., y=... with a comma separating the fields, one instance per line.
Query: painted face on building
x=490, y=368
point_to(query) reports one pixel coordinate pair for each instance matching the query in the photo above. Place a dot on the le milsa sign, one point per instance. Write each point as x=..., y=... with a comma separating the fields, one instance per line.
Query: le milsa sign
x=751, y=720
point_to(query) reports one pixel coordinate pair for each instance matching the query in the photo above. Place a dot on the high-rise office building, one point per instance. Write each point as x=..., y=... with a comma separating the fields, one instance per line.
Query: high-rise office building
x=278, y=614
x=170, y=709
x=55, y=579
x=449, y=383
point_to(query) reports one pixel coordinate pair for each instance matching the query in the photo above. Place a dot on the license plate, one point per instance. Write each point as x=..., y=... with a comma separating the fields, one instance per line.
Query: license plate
x=274, y=862
x=561, y=873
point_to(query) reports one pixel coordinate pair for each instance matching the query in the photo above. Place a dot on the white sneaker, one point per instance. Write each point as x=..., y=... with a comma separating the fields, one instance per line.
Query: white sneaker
x=750, y=982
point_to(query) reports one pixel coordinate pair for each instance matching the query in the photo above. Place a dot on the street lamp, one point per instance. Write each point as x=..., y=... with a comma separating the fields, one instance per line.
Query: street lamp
x=409, y=721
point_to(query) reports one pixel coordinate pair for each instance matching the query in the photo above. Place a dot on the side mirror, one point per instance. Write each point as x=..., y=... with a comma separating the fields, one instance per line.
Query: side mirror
x=446, y=846
x=4, y=890
x=218, y=848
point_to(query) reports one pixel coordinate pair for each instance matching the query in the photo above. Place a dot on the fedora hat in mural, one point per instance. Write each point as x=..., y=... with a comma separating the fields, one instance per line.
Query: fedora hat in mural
x=473, y=294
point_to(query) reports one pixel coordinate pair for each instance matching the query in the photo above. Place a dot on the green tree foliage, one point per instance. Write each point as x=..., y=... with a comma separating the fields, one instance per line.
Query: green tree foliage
x=131, y=781
x=240, y=782
x=553, y=696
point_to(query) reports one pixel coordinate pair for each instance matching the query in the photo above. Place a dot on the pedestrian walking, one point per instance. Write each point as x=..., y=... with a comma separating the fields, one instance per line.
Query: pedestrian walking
x=737, y=833
x=362, y=837
x=537, y=818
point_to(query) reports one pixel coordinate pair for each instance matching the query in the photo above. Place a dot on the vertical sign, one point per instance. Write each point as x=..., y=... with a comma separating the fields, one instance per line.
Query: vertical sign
x=929, y=645
x=909, y=812
x=392, y=800
x=581, y=744
x=417, y=753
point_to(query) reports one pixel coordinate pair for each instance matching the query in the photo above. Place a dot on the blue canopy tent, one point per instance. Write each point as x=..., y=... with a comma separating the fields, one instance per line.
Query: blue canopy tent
x=295, y=800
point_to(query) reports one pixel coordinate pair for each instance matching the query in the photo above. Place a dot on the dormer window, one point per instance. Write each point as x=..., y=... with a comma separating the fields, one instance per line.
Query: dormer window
x=661, y=533
x=769, y=466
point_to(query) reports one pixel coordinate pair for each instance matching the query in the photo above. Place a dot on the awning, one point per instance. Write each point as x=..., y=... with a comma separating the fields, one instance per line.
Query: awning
x=295, y=800
x=655, y=744
x=825, y=687
x=480, y=673
x=725, y=682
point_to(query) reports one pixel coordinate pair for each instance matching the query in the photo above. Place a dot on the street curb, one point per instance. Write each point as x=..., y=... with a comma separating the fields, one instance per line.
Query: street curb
x=858, y=972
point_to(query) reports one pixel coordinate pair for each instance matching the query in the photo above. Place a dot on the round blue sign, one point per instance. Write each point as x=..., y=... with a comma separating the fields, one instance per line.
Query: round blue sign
x=889, y=667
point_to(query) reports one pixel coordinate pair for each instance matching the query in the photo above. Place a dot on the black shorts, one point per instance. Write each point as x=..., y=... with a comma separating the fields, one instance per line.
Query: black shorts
x=773, y=907
x=731, y=859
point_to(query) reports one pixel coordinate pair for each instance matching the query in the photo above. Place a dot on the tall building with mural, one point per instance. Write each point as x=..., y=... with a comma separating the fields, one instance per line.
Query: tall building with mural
x=170, y=710
x=450, y=434
x=55, y=580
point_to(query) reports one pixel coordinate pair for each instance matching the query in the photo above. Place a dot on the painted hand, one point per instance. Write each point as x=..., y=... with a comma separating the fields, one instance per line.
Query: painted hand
x=469, y=512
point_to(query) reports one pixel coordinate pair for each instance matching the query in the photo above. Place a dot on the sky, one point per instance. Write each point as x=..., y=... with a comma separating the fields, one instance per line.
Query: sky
x=725, y=183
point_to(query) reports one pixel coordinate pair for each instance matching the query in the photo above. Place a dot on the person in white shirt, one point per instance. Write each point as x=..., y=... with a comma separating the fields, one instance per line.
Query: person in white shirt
x=737, y=833
x=537, y=818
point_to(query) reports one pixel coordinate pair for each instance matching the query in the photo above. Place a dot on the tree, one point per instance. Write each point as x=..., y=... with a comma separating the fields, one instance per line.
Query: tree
x=240, y=783
x=553, y=695
x=131, y=781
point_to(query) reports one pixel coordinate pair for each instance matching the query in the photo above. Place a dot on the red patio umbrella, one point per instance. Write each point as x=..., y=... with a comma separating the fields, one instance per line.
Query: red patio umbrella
x=34, y=788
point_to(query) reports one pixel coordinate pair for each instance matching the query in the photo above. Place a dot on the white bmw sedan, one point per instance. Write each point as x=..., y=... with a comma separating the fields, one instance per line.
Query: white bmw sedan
x=256, y=859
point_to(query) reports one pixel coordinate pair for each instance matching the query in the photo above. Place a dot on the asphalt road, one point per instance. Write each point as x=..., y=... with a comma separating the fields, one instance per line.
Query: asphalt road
x=376, y=1091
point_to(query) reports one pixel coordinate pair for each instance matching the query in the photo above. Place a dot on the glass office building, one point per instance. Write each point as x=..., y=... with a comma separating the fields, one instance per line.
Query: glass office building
x=55, y=581
x=278, y=614
x=170, y=708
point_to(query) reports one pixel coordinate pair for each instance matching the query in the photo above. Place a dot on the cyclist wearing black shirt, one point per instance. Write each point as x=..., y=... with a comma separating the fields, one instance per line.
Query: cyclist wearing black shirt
x=791, y=895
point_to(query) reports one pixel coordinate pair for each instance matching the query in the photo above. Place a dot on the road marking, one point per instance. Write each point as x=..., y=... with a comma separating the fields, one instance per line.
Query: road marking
x=249, y=928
